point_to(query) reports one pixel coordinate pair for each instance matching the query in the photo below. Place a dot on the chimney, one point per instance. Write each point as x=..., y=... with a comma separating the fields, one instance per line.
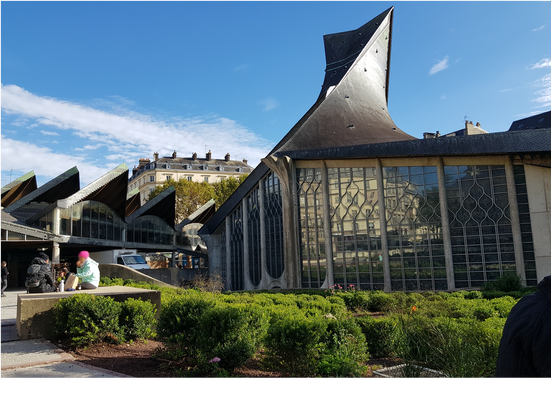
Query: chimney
x=245, y=161
x=209, y=155
x=174, y=155
x=438, y=134
x=478, y=124
x=227, y=157
x=134, y=170
x=428, y=135
x=143, y=161
x=194, y=156
x=156, y=156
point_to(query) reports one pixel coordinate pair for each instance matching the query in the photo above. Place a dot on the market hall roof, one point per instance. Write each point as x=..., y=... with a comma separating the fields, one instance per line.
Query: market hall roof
x=161, y=206
x=201, y=216
x=109, y=189
x=132, y=201
x=18, y=188
x=61, y=186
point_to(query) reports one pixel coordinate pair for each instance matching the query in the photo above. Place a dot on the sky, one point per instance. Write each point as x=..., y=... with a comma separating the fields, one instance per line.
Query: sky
x=95, y=84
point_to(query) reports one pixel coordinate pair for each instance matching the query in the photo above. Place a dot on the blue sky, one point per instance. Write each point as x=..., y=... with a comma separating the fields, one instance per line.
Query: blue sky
x=95, y=84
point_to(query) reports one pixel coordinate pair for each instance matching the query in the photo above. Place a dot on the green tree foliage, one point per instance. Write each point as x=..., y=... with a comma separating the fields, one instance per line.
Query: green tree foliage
x=191, y=195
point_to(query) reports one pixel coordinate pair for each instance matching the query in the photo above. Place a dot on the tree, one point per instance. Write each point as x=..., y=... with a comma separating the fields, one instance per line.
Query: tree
x=190, y=196
x=224, y=189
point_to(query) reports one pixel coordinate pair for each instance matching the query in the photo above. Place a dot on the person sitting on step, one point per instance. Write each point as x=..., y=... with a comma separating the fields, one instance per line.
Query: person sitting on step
x=87, y=271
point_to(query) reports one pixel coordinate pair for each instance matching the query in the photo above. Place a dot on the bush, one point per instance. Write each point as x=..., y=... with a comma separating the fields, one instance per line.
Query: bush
x=293, y=343
x=231, y=332
x=379, y=301
x=356, y=300
x=87, y=319
x=380, y=335
x=179, y=320
x=474, y=295
x=137, y=319
x=505, y=283
x=344, y=350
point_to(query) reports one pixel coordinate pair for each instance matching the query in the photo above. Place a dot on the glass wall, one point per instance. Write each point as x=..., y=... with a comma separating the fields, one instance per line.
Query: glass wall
x=311, y=228
x=236, y=249
x=480, y=224
x=273, y=224
x=223, y=252
x=414, y=229
x=253, y=237
x=149, y=229
x=355, y=228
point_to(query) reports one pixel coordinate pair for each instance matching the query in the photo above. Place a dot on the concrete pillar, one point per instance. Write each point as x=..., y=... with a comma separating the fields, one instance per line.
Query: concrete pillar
x=228, y=254
x=382, y=222
x=265, y=279
x=283, y=168
x=173, y=260
x=56, y=253
x=56, y=219
x=247, y=284
x=329, y=277
x=446, y=235
x=515, y=220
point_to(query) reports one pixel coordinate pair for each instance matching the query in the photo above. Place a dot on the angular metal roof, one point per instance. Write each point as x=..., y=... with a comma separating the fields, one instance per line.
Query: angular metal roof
x=352, y=107
x=61, y=186
x=109, y=189
x=18, y=188
x=132, y=201
x=540, y=121
x=200, y=216
x=162, y=206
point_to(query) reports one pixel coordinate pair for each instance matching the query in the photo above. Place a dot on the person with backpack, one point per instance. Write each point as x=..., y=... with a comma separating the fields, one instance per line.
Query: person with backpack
x=39, y=275
x=5, y=274
x=87, y=271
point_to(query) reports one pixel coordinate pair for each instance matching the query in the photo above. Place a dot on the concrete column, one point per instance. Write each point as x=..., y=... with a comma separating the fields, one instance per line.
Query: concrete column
x=56, y=220
x=247, y=284
x=515, y=220
x=382, y=223
x=264, y=280
x=446, y=235
x=173, y=260
x=329, y=278
x=228, y=254
x=283, y=168
x=56, y=253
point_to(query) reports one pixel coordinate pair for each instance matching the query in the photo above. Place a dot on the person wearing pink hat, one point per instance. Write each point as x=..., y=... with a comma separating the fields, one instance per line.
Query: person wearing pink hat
x=87, y=271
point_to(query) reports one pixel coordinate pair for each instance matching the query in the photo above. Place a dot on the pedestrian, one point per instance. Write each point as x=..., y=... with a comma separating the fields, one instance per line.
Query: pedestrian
x=5, y=274
x=87, y=271
x=41, y=271
x=525, y=347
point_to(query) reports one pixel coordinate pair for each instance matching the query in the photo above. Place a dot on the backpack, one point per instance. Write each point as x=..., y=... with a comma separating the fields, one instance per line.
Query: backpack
x=32, y=276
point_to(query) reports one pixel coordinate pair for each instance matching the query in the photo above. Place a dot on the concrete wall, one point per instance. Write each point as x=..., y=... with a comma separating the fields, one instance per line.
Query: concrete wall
x=172, y=276
x=127, y=273
x=538, y=185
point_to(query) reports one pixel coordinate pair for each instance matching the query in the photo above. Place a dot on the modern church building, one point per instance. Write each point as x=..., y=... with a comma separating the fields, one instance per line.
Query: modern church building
x=347, y=198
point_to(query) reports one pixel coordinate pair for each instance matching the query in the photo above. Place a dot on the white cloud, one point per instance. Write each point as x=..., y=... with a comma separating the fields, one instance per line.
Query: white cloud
x=131, y=133
x=544, y=98
x=240, y=67
x=269, y=104
x=505, y=90
x=542, y=63
x=438, y=67
x=90, y=147
x=23, y=156
x=443, y=97
x=539, y=28
x=45, y=132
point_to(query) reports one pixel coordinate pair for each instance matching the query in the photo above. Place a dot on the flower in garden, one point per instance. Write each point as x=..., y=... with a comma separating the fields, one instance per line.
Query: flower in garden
x=214, y=360
x=413, y=309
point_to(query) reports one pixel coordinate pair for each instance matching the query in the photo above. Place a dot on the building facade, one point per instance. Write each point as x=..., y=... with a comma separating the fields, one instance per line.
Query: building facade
x=347, y=198
x=150, y=174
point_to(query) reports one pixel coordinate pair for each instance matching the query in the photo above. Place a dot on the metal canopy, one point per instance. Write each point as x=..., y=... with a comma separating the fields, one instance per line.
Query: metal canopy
x=18, y=188
x=109, y=189
x=162, y=206
x=61, y=186
x=132, y=201
x=201, y=216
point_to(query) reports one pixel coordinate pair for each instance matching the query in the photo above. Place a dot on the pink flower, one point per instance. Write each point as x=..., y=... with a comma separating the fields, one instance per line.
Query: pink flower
x=214, y=360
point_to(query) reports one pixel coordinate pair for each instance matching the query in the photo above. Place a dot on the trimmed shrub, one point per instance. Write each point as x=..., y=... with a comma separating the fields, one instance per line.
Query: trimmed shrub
x=380, y=335
x=231, y=332
x=357, y=300
x=137, y=319
x=179, y=320
x=344, y=350
x=474, y=295
x=506, y=283
x=293, y=343
x=379, y=301
x=503, y=305
x=87, y=319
